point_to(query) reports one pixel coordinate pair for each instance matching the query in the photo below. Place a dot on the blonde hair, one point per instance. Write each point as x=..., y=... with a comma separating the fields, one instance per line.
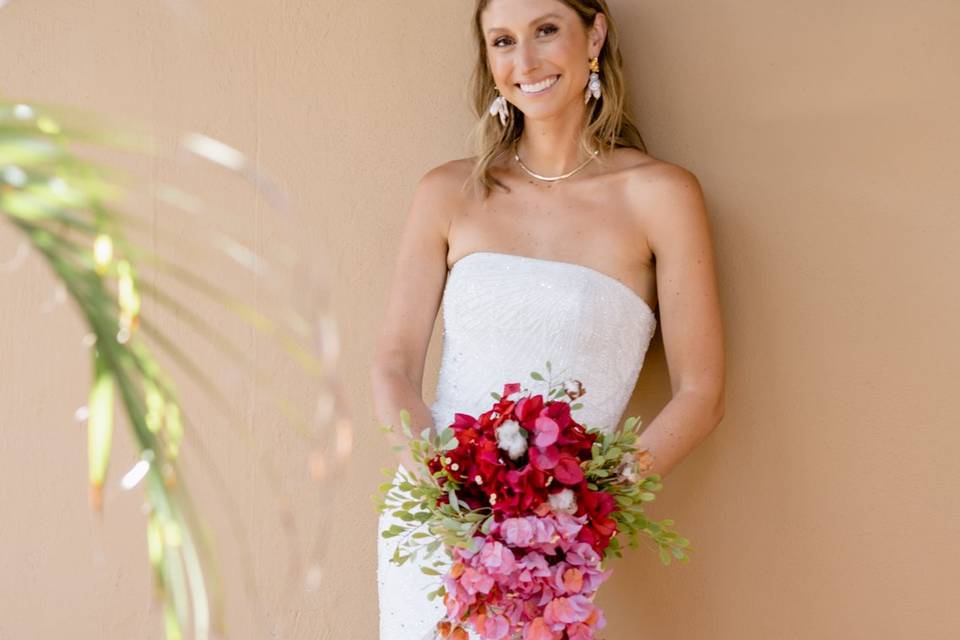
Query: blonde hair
x=607, y=126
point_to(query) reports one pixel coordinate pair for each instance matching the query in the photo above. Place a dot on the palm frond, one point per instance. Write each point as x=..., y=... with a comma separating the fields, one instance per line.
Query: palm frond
x=65, y=206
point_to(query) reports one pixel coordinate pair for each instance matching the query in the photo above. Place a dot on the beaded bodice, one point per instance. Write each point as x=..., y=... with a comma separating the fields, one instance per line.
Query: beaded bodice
x=505, y=315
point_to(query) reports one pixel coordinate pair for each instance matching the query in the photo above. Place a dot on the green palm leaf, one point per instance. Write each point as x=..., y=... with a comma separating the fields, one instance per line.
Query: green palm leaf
x=63, y=205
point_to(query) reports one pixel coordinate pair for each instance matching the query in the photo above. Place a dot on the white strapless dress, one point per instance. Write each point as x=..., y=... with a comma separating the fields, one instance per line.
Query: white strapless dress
x=504, y=316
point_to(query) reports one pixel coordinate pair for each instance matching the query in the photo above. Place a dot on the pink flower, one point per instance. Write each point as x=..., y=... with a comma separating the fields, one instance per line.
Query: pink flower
x=495, y=627
x=538, y=630
x=572, y=580
x=475, y=582
x=495, y=558
x=593, y=578
x=564, y=611
x=569, y=526
x=568, y=470
x=545, y=431
x=579, y=631
x=582, y=553
x=546, y=458
x=517, y=532
x=535, y=565
x=457, y=600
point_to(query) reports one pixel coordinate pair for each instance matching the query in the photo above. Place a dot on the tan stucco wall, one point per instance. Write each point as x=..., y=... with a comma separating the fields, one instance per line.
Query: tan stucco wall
x=825, y=137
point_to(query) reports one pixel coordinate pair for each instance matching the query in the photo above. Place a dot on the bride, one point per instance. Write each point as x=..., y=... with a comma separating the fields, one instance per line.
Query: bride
x=557, y=241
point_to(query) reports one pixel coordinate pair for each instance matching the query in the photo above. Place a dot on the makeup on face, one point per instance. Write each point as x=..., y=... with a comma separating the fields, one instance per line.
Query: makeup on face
x=535, y=74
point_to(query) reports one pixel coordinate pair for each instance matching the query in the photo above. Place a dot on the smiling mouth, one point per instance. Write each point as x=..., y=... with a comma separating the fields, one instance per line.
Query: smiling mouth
x=538, y=87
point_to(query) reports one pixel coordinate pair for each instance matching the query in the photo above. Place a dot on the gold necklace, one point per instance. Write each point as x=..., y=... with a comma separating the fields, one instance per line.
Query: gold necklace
x=516, y=155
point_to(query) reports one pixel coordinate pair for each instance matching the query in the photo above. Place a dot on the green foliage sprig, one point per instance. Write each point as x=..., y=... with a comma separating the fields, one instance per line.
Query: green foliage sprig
x=427, y=524
x=609, y=471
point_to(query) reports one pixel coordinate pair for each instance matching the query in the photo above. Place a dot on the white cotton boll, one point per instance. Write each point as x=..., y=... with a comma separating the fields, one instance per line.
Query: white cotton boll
x=574, y=389
x=563, y=502
x=511, y=440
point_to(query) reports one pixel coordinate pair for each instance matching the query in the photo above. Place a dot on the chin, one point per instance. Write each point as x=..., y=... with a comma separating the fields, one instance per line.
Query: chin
x=543, y=111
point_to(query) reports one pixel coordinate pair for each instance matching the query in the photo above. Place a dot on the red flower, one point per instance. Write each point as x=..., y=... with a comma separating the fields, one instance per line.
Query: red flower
x=598, y=505
x=568, y=470
x=523, y=490
x=527, y=409
x=544, y=459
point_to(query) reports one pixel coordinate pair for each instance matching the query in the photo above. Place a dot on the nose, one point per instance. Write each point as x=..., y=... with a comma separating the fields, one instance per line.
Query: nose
x=528, y=59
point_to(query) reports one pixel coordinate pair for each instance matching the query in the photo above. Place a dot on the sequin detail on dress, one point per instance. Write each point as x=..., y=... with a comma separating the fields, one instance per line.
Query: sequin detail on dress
x=504, y=316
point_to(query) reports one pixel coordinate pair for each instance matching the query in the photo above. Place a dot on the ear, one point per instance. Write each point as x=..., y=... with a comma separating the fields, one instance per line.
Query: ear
x=597, y=34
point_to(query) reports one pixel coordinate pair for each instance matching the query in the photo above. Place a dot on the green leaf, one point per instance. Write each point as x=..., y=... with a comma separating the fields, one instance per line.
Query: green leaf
x=430, y=572
x=453, y=500
x=485, y=526
x=100, y=426
x=664, y=556
x=535, y=375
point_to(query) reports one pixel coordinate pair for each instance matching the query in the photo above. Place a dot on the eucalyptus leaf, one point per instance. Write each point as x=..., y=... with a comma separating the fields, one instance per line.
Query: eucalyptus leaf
x=405, y=423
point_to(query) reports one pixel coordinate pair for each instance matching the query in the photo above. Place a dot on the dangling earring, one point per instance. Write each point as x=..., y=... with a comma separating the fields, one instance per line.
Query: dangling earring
x=499, y=108
x=593, y=87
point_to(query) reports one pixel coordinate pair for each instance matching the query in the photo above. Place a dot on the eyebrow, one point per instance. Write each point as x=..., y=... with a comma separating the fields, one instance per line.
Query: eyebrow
x=532, y=22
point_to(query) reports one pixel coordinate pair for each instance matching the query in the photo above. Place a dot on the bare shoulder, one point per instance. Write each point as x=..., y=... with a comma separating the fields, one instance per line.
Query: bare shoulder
x=446, y=180
x=437, y=196
x=666, y=198
x=647, y=175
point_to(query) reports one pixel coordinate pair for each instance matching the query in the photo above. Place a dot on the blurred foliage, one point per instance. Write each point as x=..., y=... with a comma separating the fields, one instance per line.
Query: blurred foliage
x=65, y=207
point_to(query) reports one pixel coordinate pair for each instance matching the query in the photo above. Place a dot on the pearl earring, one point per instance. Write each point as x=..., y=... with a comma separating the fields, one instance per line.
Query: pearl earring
x=499, y=108
x=593, y=87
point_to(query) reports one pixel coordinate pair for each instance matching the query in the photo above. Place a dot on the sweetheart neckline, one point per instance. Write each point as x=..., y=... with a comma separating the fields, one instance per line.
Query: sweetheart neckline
x=605, y=276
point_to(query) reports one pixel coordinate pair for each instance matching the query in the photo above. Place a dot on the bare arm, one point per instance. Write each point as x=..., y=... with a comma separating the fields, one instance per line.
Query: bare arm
x=419, y=275
x=690, y=320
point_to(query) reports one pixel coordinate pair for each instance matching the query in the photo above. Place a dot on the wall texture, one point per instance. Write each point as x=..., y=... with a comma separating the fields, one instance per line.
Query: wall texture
x=825, y=137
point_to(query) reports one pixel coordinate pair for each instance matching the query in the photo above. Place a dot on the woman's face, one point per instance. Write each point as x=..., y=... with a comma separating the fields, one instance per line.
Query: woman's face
x=539, y=53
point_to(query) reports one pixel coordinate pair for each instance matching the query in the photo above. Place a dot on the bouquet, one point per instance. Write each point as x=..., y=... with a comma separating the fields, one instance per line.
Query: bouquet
x=526, y=504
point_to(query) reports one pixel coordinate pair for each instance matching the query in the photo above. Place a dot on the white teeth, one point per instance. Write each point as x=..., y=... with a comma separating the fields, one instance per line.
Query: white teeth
x=540, y=86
